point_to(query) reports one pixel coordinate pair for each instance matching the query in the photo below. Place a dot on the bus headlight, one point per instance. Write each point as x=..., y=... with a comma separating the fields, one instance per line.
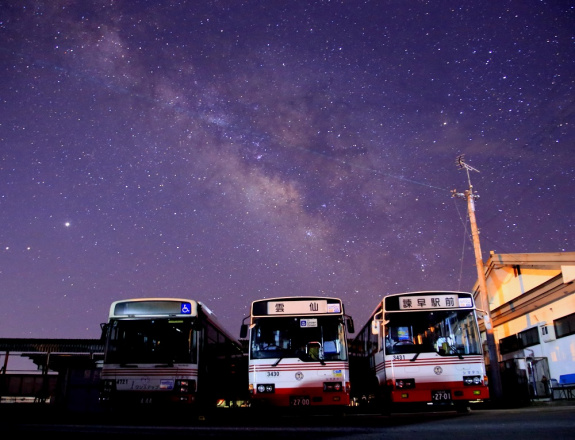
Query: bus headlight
x=185, y=386
x=266, y=388
x=472, y=380
x=404, y=383
x=331, y=387
x=107, y=387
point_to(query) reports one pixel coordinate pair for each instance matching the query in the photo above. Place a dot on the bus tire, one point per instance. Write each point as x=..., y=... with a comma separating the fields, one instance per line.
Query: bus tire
x=462, y=408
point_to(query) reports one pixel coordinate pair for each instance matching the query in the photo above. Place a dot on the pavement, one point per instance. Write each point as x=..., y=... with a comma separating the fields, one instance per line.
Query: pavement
x=539, y=402
x=552, y=402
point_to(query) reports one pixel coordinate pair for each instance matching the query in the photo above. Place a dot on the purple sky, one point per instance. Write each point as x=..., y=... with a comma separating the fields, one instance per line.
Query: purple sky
x=227, y=151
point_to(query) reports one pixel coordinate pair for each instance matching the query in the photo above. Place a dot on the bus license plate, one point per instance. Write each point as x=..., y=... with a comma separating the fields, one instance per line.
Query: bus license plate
x=441, y=395
x=299, y=400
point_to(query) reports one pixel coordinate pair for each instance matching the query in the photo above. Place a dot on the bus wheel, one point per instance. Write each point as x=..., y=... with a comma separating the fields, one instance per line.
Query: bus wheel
x=385, y=410
x=462, y=408
x=385, y=404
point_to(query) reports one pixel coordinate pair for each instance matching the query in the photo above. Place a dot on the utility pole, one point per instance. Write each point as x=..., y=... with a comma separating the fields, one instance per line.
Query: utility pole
x=492, y=349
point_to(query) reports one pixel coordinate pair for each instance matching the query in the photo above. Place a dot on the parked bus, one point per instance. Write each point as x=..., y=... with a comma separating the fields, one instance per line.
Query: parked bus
x=169, y=352
x=420, y=348
x=298, y=353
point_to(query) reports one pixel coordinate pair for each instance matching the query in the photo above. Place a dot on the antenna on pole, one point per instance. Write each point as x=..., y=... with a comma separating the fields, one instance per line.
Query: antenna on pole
x=493, y=357
x=461, y=164
x=460, y=161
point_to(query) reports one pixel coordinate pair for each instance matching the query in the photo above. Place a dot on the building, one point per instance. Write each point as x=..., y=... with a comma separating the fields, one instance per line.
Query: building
x=531, y=301
x=67, y=376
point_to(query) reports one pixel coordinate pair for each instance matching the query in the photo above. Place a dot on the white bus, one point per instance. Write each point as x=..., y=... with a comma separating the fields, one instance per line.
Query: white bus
x=169, y=352
x=420, y=348
x=298, y=354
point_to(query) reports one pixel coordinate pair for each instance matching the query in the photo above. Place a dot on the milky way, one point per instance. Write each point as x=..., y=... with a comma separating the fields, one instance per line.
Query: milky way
x=227, y=151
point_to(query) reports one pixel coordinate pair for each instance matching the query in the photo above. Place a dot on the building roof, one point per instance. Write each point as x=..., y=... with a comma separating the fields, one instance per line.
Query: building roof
x=55, y=354
x=548, y=292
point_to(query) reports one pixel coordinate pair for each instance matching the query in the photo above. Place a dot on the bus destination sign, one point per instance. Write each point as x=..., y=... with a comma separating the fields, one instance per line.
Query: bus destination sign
x=302, y=307
x=431, y=302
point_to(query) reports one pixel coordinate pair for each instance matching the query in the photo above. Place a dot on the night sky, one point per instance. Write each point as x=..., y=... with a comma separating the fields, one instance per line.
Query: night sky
x=227, y=151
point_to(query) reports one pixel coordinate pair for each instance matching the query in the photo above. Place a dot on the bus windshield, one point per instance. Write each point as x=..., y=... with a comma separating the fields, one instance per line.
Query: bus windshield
x=151, y=341
x=449, y=333
x=309, y=339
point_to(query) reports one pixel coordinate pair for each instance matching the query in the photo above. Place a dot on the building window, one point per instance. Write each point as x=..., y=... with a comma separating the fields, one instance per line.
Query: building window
x=521, y=340
x=529, y=337
x=509, y=344
x=565, y=326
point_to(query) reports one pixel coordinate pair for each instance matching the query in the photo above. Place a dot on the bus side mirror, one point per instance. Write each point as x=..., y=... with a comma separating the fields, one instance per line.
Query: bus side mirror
x=244, y=331
x=375, y=327
x=104, y=328
x=350, y=327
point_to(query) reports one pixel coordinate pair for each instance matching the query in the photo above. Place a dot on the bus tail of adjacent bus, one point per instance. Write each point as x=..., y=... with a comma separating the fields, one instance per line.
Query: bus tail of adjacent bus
x=420, y=349
x=169, y=353
x=298, y=353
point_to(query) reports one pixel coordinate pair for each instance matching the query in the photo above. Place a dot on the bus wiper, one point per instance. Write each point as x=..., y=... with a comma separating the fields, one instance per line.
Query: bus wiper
x=169, y=364
x=453, y=350
x=277, y=362
x=305, y=357
x=415, y=357
x=302, y=356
